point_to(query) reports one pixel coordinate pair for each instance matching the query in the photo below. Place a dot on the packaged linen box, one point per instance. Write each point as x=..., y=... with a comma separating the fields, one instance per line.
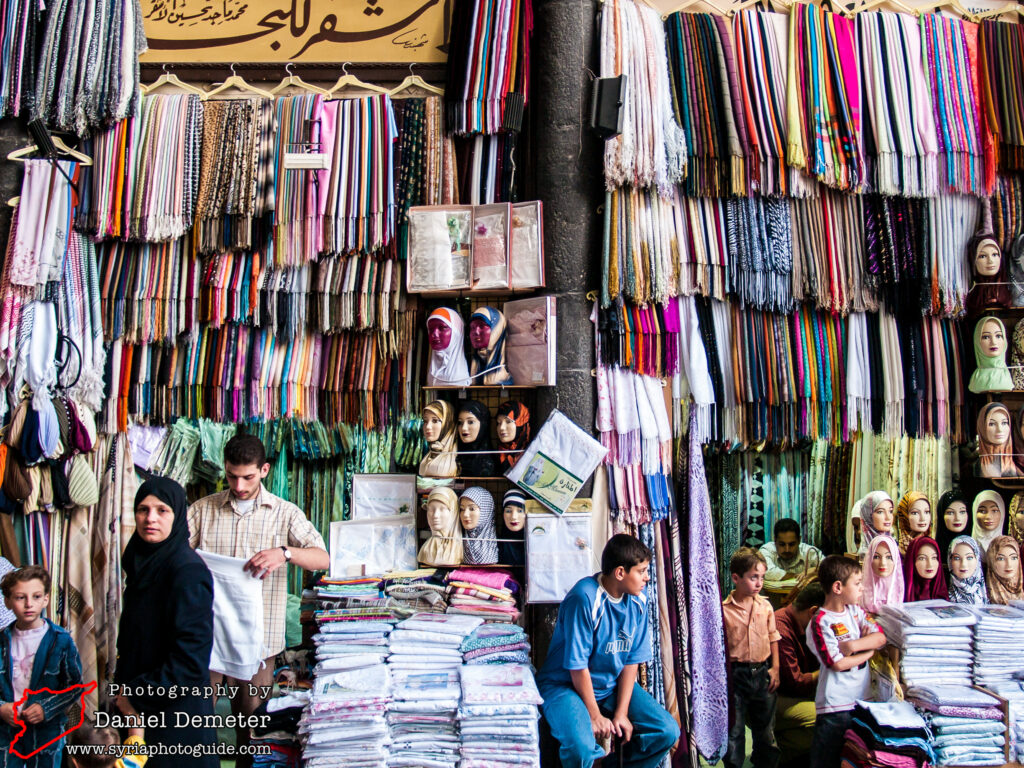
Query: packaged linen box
x=530, y=349
x=440, y=248
x=526, y=246
x=491, y=246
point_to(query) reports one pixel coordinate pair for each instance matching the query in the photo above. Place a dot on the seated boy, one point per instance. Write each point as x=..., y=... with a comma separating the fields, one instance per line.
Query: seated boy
x=588, y=680
x=34, y=654
x=844, y=640
x=90, y=736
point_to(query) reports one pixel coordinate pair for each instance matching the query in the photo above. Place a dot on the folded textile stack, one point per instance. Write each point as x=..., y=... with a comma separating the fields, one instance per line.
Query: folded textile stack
x=278, y=731
x=967, y=724
x=496, y=643
x=929, y=630
x=1013, y=692
x=345, y=722
x=996, y=643
x=887, y=733
x=498, y=717
x=351, y=643
x=489, y=594
x=421, y=718
x=362, y=587
x=430, y=641
x=416, y=591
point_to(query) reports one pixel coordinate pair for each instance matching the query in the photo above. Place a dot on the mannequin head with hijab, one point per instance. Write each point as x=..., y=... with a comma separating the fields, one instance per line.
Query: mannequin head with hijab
x=923, y=576
x=989, y=274
x=439, y=432
x=876, y=516
x=476, y=513
x=914, y=516
x=511, y=550
x=883, y=574
x=473, y=424
x=487, y=337
x=966, y=579
x=447, y=361
x=444, y=547
x=990, y=345
x=952, y=519
x=1004, y=571
x=513, y=425
x=995, y=442
x=989, y=517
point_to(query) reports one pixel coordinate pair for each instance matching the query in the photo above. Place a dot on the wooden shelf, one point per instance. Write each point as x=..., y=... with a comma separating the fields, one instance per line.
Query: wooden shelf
x=470, y=293
x=482, y=387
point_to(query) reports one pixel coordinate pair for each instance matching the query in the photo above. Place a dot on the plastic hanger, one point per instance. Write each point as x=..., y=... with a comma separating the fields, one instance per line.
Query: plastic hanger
x=351, y=81
x=21, y=155
x=415, y=81
x=870, y=4
x=997, y=12
x=710, y=3
x=956, y=7
x=240, y=84
x=169, y=78
x=293, y=81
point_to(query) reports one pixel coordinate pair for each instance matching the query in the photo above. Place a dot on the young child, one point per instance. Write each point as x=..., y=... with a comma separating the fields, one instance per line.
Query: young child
x=752, y=642
x=34, y=654
x=589, y=678
x=89, y=736
x=844, y=640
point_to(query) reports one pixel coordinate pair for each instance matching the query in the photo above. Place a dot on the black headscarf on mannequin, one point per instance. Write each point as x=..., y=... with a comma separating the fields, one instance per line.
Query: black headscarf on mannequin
x=144, y=562
x=943, y=535
x=479, y=465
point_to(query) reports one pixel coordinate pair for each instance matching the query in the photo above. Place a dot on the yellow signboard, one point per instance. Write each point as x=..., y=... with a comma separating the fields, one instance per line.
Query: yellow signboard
x=320, y=31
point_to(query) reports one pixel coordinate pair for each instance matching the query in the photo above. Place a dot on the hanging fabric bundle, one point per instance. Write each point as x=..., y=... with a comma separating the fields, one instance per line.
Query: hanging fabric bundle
x=901, y=141
x=1001, y=65
x=19, y=54
x=488, y=82
x=236, y=177
x=298, y=219
x=706, y=104
x=823, y=90
x=759, y=234
x=651, y=150
x=88, y=74
x=357, y=194
x=950, y=46
x=896, y=237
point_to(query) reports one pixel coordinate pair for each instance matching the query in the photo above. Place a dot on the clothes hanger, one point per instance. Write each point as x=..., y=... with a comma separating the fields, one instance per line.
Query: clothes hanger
x=688, y=3
x=293, y=81
x=351, y=81
x=997, y=12
x=169, y=78
x=240, y=84
x=956, y=7
x=415, y=81
x=21, y=155
x=895, y=3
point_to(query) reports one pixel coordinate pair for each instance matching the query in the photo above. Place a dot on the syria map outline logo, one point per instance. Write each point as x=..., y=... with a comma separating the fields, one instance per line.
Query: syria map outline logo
x=87, y=688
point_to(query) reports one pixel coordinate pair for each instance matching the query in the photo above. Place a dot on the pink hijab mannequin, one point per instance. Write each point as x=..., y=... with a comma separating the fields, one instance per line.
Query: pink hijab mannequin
x=883, y=576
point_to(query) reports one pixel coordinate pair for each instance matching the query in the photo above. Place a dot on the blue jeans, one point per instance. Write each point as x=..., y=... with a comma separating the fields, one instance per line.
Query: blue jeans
x=654, y=730
x=829, y=736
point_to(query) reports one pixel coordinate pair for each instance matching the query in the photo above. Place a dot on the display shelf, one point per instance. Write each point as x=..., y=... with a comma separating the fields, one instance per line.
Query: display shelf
x=469, y=293
x=481, y=387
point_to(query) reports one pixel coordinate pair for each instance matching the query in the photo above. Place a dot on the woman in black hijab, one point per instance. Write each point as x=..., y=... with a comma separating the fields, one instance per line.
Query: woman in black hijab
x=166, y=631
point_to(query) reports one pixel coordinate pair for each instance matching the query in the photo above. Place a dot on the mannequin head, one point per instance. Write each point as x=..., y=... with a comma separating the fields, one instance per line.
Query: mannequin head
x=469, y=513
x=882, y=563
x=996, y=425
x=513, y=423
x=469, y=426
x=441, y=510
x=954, y=516
x=926, y=562
x=963, y=561
x=439, y=334
x=993, y=338
x=882, y=516
x=479, y=333
x=1006, y=562
x=920, y=516
x=988, y=257
x=437, y=419
x=988, y=516
x=514, y=510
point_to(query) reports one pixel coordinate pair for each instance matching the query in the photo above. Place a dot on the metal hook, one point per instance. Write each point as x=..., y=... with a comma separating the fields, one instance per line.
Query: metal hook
x=344, y=69
x=233, y=73
x=288, y=69
x=411, y=65
x=166, y=70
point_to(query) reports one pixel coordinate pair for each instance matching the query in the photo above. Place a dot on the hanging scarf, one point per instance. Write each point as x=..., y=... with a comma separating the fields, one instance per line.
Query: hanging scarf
x=440, y=458
x=879, y=591
x=970, y=591
x=903, y=532
x=448, y=366
x=519, y=414
x=995, y=460
x=489, y=363
x=1001, y=590
x=916, y=587
x=480, y=543
x=983, y=536
x=942, y=534
x=444, y=547
x=471, y=463
x=511, y=547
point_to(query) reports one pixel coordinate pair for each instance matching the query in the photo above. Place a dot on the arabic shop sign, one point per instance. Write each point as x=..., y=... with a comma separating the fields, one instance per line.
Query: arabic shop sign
x=331, y=31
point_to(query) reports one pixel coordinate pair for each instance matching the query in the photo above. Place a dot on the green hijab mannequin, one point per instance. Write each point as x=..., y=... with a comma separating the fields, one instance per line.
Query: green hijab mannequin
x=990, y=345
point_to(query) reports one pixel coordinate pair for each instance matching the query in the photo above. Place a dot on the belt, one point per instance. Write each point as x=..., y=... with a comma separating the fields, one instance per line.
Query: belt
x=753, y=666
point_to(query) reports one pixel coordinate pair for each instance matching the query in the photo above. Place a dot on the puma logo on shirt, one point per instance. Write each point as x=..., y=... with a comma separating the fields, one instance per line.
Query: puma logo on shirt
x=622, y=644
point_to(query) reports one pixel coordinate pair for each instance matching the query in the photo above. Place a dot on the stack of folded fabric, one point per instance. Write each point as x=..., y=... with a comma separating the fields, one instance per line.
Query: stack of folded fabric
x=488, y=594
x=930, y=630
x=497, y=643
x=421, y=718
x=416, y=591
x=356, y=588
x=1013, y=692
x=278, y=732
x=430, y=641
x=887, y=733
x=350, y=643
x=498, y=717
x=997, y=654
x=967, y=724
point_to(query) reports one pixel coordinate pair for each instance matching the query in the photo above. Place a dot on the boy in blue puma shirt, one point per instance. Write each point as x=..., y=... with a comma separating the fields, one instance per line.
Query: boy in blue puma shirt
x=588, y=680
